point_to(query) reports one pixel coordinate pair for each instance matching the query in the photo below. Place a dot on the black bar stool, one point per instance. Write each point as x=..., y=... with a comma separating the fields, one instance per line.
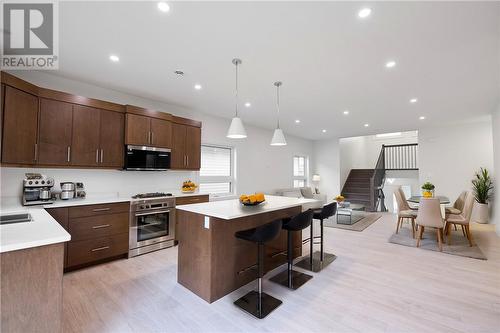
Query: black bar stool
x=318, y=260
x=290, y=278
x=258, y=303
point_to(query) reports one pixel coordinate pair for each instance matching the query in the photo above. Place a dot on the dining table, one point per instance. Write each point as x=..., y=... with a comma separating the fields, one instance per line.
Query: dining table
x=443, y=201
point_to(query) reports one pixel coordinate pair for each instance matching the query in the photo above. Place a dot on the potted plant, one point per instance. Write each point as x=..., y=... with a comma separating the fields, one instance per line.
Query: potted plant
x=482, y=186
x=428, y=190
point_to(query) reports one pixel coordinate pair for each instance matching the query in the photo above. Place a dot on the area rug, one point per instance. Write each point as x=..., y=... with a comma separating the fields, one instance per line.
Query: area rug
x=459, y=244
x=366, y=220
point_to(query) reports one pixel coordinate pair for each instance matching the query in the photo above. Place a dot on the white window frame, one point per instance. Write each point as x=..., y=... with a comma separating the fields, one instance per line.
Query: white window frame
x=231, y=179
x=305, y=178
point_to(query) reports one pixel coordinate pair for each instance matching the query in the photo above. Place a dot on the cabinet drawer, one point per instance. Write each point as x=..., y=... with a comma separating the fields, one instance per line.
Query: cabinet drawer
x=85, y=251
x=98, y=226
x=191, y=199
x=91, y=210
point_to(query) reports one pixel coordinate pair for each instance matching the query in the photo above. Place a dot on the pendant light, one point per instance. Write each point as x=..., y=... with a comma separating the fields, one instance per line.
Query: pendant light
x=278, y=136
x=236, y=130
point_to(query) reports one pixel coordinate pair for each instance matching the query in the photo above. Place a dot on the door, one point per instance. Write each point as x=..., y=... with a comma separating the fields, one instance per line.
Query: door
x=138, y=130
x=161, y=133
x=85, y=137
x=193, y=147
x=178, y=146
x=19, y=127
x=54, y=137
x=112, y=139
x=152, y=227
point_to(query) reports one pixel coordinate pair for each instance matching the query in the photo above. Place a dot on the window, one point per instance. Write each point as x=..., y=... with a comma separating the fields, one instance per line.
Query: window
x=300, y=172
x=216, y=173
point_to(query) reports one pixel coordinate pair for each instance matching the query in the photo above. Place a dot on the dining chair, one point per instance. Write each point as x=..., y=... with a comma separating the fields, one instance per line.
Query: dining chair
x=403, y=196
x=429, y=215
x=404, y=212
x=456, y=209
x=462, y=219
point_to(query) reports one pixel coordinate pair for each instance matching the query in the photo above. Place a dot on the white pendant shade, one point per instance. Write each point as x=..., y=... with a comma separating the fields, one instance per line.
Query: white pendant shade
x=278, y=138
x=236, y=130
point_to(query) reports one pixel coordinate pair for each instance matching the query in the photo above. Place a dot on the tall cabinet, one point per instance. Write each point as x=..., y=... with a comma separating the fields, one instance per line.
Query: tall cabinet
x=186, y=145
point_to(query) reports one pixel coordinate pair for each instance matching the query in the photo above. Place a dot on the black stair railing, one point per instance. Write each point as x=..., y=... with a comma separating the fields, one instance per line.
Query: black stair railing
x=391, y=157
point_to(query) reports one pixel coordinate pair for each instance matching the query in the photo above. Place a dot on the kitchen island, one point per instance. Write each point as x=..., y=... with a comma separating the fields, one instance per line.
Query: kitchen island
x=212, y=262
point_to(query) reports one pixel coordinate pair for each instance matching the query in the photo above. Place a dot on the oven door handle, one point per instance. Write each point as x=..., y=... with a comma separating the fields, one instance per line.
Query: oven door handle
x=153, y=212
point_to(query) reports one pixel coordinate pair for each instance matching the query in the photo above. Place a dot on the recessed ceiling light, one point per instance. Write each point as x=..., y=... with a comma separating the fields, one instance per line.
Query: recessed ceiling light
x=364, y=13
x=390, y=64
x=346, y=112
x=422, y=118
x=367, y=125
x=297, y=121
x=179, y=73
x=163, y=6
x=114, y=58
x=324, y=131
x=413, y=100
x=197, y=86
x=248, y=104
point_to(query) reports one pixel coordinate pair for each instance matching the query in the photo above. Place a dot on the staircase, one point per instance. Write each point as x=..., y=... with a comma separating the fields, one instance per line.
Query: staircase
x=366, y=186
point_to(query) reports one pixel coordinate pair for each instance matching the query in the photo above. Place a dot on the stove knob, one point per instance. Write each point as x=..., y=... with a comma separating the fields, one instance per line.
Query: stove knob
x=43, y=182
x=30, y=182
x=36, y=181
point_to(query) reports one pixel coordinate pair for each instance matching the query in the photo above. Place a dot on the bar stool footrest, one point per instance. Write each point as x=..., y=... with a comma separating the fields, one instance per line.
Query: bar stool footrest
x=317, y=265
x=250, y=304
x=298, y=279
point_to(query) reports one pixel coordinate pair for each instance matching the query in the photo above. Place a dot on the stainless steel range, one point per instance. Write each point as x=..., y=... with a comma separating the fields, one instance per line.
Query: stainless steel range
x=152, y=223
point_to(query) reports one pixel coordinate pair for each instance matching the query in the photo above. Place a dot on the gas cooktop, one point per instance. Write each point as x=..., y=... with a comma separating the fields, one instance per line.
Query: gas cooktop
x=151, y=195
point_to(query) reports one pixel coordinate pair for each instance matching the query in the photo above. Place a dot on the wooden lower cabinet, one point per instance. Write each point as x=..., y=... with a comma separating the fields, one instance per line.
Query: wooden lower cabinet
x=98, y=232
x=191, y=199
x=31, y=292
x=96, y=249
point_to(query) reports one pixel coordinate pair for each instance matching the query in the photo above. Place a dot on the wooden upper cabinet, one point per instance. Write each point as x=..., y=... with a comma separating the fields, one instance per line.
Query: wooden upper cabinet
x=193, y=147
x=85, y=141
x=54, y=132
x=178, y=157
x=137, y=130
x=161, y=133
x=20, y=121
x=112, y=139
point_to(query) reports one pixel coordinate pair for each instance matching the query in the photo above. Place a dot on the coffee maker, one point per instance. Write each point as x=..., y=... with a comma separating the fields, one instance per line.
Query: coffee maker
x=37, y=189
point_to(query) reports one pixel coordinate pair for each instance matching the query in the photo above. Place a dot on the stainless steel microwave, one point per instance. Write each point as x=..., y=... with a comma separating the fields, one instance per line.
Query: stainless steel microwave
x=145, y=158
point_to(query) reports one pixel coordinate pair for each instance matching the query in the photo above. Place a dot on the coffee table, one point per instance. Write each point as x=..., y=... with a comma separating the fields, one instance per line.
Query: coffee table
x=348, y=209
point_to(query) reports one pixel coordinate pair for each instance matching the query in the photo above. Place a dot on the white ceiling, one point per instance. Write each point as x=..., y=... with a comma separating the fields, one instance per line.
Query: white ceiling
x=447, y=54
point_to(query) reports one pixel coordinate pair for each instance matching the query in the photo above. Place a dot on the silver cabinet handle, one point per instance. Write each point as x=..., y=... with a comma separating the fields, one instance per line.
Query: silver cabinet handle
x=102, y=155
x=149, y=137
x=187, y=160
x=152, y=137
x=100, y=248
x=97, y=155
x=100, y=209
x=101, y=226
x=36, y=152
x=69, y=153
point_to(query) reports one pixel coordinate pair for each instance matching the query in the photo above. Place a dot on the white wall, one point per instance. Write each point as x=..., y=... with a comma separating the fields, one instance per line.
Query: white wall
x=449, y=155
x=496, y=174
x=327, y=165
x=260, y=167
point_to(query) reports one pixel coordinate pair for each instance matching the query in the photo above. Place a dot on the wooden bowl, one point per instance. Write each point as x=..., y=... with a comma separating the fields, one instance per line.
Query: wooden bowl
x=251, y=204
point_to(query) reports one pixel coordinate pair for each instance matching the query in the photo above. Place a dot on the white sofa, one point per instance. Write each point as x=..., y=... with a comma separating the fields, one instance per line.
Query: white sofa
x=302, y=192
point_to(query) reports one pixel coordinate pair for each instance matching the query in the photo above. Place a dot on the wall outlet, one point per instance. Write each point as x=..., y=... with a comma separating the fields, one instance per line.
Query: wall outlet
x=207, y=222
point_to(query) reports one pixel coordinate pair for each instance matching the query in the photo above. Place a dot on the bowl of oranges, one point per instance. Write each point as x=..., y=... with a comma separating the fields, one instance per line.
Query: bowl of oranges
x=188, y=187
x=252, y=199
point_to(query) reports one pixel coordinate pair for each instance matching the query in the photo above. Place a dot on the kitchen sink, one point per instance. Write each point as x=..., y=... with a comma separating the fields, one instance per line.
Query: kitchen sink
x=15, y=218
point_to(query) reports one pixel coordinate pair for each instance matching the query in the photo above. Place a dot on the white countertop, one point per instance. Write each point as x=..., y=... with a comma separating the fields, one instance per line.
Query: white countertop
x=232, y=209
x=42, y=230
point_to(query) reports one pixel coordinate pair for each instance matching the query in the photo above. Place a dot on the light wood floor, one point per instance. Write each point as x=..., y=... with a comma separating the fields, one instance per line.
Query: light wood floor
x=373, y=286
